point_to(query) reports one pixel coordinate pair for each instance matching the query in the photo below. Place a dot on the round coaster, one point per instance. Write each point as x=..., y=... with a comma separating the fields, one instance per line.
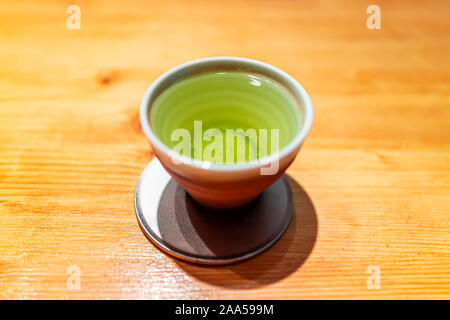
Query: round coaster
x=181, y=227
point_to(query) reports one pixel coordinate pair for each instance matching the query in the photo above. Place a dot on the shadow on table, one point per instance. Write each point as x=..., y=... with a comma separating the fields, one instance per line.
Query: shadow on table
x=275, y=264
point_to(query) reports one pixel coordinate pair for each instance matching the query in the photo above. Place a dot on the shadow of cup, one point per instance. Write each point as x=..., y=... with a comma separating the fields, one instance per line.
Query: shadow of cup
x=278, y=262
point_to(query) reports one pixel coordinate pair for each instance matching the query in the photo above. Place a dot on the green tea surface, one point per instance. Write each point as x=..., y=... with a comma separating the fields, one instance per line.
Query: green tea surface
x=226, y=100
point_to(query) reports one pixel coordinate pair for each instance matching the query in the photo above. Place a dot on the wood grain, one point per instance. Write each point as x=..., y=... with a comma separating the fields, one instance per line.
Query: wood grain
x=372, y=183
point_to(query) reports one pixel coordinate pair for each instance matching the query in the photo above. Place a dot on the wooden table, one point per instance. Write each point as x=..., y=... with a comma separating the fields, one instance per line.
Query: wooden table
x=372, y=183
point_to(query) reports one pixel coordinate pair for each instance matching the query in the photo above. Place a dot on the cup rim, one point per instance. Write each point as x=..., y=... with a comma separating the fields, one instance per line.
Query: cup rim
x=296, y=88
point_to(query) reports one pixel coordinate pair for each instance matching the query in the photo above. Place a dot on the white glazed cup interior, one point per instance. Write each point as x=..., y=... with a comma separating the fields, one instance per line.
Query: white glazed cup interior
x=226, y=63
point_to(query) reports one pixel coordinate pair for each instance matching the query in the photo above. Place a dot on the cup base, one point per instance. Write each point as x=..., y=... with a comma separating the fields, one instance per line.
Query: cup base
x=181, y=227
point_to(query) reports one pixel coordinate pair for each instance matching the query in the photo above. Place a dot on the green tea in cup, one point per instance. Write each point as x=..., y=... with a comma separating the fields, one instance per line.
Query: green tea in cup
x=186, y=110
x=225, y=116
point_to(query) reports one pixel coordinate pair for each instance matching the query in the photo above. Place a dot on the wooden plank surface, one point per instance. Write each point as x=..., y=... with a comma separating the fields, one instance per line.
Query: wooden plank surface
x=372, y=183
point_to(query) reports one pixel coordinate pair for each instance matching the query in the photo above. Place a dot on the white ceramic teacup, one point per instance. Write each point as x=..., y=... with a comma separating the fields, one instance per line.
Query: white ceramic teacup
x=226, y=185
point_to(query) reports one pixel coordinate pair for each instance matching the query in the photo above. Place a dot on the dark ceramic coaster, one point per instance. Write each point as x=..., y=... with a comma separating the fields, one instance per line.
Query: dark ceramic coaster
x=175, y=223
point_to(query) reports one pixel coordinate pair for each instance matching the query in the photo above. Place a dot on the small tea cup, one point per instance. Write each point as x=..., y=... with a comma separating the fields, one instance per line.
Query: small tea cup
x=226, y=185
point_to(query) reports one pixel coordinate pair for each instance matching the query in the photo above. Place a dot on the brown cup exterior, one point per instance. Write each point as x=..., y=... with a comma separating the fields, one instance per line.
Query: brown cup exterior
x=223, y=189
